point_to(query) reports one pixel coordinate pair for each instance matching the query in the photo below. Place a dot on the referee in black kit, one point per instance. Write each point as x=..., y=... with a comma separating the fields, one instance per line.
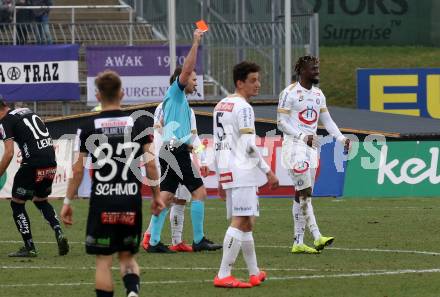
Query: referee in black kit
x=175, y=161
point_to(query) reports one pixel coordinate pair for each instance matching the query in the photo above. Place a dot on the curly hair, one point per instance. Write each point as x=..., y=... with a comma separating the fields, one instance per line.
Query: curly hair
x=303, y=61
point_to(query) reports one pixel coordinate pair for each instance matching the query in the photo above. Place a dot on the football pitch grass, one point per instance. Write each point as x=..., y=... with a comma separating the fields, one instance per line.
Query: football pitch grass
x=383, y=247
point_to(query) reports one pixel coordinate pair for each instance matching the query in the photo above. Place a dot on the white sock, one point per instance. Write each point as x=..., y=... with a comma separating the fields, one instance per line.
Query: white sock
x=311, y=221
x=177, y=216
x=299, y=223
x=248, y=249
x=231, y=248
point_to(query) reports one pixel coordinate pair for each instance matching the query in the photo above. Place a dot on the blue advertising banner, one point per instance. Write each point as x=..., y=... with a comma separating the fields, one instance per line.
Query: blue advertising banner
x=39, y=73
x=413, y=92
x=332, y=168
x=144, y=70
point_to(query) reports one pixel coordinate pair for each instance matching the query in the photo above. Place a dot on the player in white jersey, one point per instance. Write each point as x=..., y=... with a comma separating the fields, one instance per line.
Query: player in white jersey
x=182, y=195
x=237, y=158
x=300, y=107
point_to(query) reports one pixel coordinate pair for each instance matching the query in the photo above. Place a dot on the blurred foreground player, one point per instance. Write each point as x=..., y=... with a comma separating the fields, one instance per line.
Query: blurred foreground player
x=237, y=158
x=33, y=180
x=300, y=106
x=116, y=141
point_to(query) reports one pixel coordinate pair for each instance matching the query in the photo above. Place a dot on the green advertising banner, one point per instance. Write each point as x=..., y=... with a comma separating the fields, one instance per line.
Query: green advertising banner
x=377, y=22
x=394, y=169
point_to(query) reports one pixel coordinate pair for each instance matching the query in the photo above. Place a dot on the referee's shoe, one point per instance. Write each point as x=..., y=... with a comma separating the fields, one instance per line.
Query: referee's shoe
x=205, y=245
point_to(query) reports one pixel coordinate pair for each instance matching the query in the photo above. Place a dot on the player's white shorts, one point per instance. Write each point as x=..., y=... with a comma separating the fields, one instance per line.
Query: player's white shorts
x=301, y=161
x=242, y=202
x=182, y=193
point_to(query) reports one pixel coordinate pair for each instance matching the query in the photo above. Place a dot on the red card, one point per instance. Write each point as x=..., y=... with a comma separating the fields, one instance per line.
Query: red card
x=201, y=25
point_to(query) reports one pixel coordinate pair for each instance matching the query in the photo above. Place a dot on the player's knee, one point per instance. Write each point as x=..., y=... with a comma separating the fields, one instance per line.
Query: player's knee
x=199, y=194
x=180, y=201
x=243, y=224
x=305, y=193
x=40, y=203
x=16, y=207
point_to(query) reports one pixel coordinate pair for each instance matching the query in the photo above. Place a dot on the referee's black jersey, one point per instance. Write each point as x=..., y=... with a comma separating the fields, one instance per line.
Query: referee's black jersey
x=32, y=136
x=114, y=140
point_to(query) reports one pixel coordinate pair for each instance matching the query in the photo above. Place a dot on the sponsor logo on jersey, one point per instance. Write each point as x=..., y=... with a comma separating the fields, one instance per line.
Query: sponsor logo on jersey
x=225, y=106
x=113, y=122
x=118, y=218
x=45, y=173
x=301, y=98
x=308, y=116
x=226, y=177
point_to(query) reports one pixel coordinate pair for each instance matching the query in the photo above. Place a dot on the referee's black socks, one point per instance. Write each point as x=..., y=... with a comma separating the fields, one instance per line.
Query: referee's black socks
x=23, y=224
x=49, y=215
x=131, y=282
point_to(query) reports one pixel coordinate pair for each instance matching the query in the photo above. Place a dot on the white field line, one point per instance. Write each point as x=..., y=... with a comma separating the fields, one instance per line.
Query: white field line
x=373, y=250
x=359, y=208
x=284, y=278
x=160, y=268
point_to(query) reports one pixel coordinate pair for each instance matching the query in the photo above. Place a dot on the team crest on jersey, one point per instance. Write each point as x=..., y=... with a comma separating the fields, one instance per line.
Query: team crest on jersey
x=318, y=101
x=308, y=116
x=301, y=167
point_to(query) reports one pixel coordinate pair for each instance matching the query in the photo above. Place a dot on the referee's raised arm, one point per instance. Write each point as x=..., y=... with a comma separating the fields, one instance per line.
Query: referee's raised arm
x=191, y=58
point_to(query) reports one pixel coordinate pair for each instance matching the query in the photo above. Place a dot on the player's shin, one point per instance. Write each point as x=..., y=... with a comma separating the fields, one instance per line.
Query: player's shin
x=103, y=276
x=198, y=218
x=250, y=257
x=50, y=216
x=157, y=226
x=177, y=216
x=299, y=223
x=23, y=224
x=131, y=283
x=231, y=248
x=102, y=293
x=311, y=221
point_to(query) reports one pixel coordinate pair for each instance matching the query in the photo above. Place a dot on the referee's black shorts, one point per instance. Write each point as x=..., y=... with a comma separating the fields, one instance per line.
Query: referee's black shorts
x=177, y=168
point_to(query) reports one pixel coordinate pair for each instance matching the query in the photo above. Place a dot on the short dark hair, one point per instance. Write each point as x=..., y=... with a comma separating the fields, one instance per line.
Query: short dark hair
x=303, y=61
x=242, y=69
x=109, y=84
x=3, y=104
x=176, y=73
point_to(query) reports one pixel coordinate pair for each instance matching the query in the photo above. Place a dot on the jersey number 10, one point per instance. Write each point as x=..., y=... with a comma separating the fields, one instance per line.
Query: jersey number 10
x=35, y=127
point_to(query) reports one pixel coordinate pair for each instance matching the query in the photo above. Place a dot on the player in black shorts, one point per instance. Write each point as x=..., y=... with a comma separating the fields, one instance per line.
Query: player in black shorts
x=33, y=180
x=116, y=141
